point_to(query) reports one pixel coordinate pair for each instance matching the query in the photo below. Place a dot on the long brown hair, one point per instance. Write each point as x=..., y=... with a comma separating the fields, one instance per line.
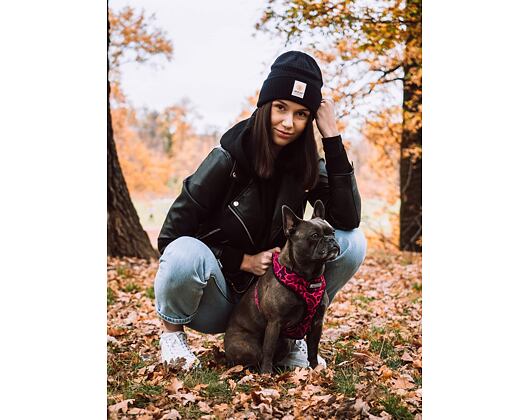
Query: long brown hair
x=303, y=153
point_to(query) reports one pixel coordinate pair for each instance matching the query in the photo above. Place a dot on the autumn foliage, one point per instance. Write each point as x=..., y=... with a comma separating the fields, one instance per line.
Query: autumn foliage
x=158, y=149
x=372, y=335
x=146, y=171
x=372, y=53
x=371, y=341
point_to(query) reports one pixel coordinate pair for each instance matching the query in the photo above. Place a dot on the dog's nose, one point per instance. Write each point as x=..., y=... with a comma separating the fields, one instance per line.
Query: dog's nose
x=333, y=244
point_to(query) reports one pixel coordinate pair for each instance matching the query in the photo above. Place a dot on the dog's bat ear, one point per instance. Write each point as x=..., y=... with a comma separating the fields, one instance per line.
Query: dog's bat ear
x=318, y=210
x=290, y=220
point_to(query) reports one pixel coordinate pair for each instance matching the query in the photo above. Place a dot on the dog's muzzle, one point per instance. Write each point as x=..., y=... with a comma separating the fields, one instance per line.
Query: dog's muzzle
x=331, y=249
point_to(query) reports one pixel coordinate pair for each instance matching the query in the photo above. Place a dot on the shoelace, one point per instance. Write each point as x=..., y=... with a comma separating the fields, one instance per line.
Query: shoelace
x=301, y=347
x=184, y=342
x=181, y=340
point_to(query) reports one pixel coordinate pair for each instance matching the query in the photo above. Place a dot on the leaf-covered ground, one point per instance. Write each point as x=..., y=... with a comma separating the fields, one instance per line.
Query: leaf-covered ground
x=371, y=341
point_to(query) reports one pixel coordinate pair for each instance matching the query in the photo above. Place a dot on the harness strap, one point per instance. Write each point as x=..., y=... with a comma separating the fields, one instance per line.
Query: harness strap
x=256, y=299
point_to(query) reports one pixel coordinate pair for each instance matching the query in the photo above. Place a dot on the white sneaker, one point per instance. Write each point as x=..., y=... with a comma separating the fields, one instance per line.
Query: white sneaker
x=298, y=356
x=174, y=346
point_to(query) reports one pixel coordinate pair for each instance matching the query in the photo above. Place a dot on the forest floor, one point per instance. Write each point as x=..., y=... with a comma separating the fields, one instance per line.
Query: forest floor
x=371, y=341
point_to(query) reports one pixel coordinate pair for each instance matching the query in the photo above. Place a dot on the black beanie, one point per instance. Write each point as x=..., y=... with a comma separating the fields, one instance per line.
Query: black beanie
x=294, y=76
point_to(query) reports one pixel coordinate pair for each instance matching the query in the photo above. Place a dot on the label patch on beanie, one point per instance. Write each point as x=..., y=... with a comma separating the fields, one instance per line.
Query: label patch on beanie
x=298, y=89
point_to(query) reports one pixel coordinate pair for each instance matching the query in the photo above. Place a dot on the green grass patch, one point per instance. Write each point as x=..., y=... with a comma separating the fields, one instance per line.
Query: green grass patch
x=344, y=352
x=385, y=349
x=190, y=411
x=245, y=388
x=121, y=271
x=344, y=381
x=363, y=299
x=150, y=292
x=121, y=364
x=382, y=342
x=417, y=380
x=392, y=405
x=378, y=330
x=382, y=347
x=131, y=288
x=111, y=296
x=141, y=393
x=122, y=368
x=216, y=389
x=394, y=362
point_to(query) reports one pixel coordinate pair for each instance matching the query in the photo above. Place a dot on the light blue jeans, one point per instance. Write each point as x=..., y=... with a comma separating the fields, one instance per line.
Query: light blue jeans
x=191, y=289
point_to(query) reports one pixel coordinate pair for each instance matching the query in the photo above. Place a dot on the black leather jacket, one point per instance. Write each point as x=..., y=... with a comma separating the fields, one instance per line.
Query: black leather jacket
x=219, y=204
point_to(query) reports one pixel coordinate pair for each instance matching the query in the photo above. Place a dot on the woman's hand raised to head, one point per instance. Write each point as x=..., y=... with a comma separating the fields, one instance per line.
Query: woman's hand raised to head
x=259, y=263
x=325, y=118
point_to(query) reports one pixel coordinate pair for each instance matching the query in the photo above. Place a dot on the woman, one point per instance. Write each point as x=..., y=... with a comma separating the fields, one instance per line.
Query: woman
x=220, y=233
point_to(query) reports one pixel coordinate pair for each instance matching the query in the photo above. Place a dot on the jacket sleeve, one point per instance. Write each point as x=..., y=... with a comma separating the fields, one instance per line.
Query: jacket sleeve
x=337, y=187
x=201, y=192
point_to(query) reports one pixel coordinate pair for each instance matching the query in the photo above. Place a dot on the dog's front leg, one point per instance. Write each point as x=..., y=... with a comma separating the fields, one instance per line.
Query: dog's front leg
x=313, y=337
x=272, y=332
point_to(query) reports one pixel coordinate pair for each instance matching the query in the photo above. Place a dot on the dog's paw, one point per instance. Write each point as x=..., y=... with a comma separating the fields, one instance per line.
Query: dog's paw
x=266, y=369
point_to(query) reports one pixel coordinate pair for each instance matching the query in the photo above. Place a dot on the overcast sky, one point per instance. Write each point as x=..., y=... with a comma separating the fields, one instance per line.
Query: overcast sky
x=216, y=64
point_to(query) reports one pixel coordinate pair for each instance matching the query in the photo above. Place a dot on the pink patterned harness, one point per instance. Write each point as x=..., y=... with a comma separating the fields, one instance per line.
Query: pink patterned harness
x=310, y=292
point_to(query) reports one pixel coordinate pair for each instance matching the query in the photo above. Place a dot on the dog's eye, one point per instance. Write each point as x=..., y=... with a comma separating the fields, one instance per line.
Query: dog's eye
x=314, y=236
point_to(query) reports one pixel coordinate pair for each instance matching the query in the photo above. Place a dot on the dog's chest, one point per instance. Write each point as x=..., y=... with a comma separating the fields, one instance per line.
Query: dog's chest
x=290, y=305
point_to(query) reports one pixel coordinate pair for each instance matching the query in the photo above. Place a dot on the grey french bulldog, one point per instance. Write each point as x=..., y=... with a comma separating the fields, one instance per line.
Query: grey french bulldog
x=287, y=302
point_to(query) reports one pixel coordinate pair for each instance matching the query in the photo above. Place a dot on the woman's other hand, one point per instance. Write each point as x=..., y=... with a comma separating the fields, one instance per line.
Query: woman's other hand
x=259, y=263
x=325, y=118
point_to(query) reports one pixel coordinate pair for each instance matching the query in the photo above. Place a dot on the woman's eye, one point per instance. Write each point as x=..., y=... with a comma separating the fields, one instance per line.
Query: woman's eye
x=302, y=114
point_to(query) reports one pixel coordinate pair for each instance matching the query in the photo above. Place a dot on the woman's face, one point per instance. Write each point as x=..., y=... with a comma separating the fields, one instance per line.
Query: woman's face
x=288, y=121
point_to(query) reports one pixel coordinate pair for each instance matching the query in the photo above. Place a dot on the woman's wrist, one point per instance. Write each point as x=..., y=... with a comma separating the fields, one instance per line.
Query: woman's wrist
x=330, y=134
x=330, y=130
x=245, y=262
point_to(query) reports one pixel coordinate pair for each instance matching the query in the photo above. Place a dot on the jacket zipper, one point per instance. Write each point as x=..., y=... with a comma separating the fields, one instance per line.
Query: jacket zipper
x=209, y=233
x=241, y=220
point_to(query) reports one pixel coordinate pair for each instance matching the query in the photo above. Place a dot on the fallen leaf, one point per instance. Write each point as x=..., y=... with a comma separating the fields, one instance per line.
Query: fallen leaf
x=176, y=385
x=382, y=416
x=235, y=369
x=121, y=406
x=116, y=332
x=232, y=384
x=361, y=406
x=246, y=379
x=111, y=340
x=385, y=372
x=134, y=411
x=172, y=415
x=299, y=374
x=402, y=383
x=133, y=316
x=204, y=407
x=407, y=357
x=221, y=409
x=184, y=398
x=321, y=398
x=269, y=393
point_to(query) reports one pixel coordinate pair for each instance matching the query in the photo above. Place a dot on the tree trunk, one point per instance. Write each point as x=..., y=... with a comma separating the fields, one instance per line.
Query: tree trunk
x=410, y=219
x=125, y=235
